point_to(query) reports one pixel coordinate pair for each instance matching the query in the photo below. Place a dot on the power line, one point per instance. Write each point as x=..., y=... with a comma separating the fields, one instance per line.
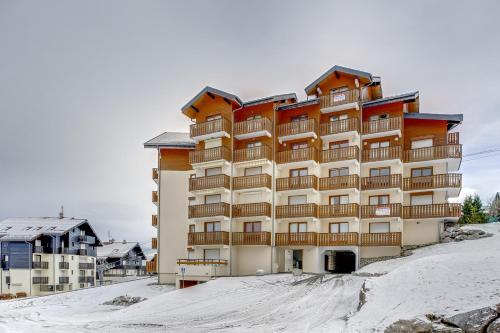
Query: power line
x=480, y=157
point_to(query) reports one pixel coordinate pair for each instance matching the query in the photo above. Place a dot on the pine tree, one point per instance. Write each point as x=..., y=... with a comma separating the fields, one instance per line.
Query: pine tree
x=472, y=210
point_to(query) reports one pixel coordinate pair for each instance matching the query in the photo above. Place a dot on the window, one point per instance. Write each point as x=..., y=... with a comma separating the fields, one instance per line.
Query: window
x=375, y=172
x=421, y=143
x=335, y=172
x=212, y=198
x=339, y=199
x=338, y=117
x=421, y=172
x=211, y=254
x=297, y=227
x=214, y=117
x=191, y=228
x=213, y=171
x=380, y=227
x=298, y=172
x=212, y=226
x=297, y=199
x=254, y=144
x=253, y=226
x=379, y=200
x=380, y=144
x=299, y=118
x=339, y=144
x=253, y=171
x=299, y=145
x=336, y=228
x=421, y=199
x=379, y=116
x=339, y=89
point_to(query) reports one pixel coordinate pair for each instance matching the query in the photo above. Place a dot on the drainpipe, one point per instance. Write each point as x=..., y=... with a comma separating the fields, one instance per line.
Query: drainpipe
x=158, y=215
x=54, y=261
x=273, y=189
x=360, y=225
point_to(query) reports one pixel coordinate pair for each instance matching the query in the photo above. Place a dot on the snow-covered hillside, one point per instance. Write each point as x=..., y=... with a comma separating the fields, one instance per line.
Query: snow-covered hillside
x=444, y=278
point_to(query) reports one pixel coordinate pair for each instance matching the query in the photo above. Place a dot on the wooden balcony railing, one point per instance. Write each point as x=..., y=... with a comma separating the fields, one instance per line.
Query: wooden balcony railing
x=154, y=196
x=296, y=183
x=453, y=138
x=381, y=239
x=382, y=154
x=338, y=239
x=209, y=210
x=209, y=182
x=433, y=153
x=303, y=210
x=297, y=127
x=40, y=264
x=381, y=182
x=338, y=183
x=374, y=211
x=253, y=126
x=151, y=267
x=252, y=209
x=208, y=155
x=208, y=238
x=382, y=125
x=296, y=238
x=155, y=174
x=154, y=243
x=344, y=210
x=209, y=127
x=154, y=220
x=339, y=154
x=431, y=211
x=446, y=180
x=254, y=153
x=339, y=126
x=251, y=238
x=339, y=98
x=255, y=181
x=297, y=155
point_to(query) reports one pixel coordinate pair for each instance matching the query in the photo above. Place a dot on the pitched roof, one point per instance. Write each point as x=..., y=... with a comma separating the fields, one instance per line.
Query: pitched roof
x=213, y=91
x=298, y=104
x=453, y=119
x=275, y=98
x=170, y=140
x=406, y=97
x=29, y=228
x=340, y=69
x=118, y=249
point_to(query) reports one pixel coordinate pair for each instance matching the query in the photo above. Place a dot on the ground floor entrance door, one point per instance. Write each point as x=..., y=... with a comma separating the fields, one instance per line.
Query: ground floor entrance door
x=297, y=259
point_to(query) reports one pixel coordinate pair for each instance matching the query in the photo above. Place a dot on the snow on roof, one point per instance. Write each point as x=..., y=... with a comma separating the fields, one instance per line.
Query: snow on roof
x=214, y=91
x=117, y=249
x=298, y=104
x=275, y=98
x=406, y=97
x=170, y=140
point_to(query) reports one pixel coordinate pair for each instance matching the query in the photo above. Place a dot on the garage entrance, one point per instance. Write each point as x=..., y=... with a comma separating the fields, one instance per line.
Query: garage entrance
x=340, y=261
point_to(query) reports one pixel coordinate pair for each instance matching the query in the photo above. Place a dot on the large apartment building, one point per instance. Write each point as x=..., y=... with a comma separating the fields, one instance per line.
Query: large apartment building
x=275, y=184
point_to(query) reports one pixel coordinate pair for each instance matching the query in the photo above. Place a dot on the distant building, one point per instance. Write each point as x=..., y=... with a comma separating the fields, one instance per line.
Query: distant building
x=45, y=255
x=494, y=209
x=122, y=259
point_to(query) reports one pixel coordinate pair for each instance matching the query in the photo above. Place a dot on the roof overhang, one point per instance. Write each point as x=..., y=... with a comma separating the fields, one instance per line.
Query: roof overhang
x=190, y=109
x=273, y=99
x=405, y=98
x=171, y=140
x=298, y=104
x=452, y=119
x=362, y=76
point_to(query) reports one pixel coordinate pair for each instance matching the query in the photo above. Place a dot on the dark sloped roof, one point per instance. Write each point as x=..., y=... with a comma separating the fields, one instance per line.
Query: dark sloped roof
x=213, y=91
x=452, y=119
x=298, y=104
x=339, y=69
x=407, y=97
x=275, y=98
x=171, y=140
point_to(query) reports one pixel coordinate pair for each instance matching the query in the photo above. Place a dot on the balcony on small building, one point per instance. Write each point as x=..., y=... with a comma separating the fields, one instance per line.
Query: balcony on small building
x=253, y=128
x=209, y=210
x=449, y=181
x=211, y=129
x=297, y=183
x=154, y=243
x=339, y=101
x=252, y=154
x=82, y=252
x=382, y=127
x=85, y=239
x=215, y=154
x=382, y=154
x=63, y=279
x=64, y=265
x=252, y=210
x=341, y=210
x=445, y=210
x=154, y=220
x=340, y=129
x=339, y=154
x=221, y=181
x=39, y=249
x=297, y=155
x=381, y=182
x=252, y=182
x=300, y=210
x=155, y=175
x=208, y=238
x=300, y=129
x=381, y=211
x=251, y=238
x=40, y=264
x=86, y=265
x=154, y=197
x=339, y=183
x=296, y=239
x=381, y=239
x=40, y=280
x=338, y=239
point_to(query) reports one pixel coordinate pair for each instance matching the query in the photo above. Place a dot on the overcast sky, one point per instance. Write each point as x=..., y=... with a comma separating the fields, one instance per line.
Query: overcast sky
x=83, y=84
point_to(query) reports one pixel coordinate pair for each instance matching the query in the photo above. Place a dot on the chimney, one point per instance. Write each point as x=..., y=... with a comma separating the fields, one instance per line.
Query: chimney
x=61, y=213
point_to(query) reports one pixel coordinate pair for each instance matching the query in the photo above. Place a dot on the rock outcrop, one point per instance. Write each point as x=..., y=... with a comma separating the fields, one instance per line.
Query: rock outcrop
x=454, y=234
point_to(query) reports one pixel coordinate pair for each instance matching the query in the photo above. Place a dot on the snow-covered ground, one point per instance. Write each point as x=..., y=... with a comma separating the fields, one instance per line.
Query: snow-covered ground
x=443, y=278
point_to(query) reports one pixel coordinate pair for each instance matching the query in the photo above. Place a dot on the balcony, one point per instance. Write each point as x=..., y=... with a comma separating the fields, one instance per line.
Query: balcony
x=339, y=126
x=291, y=211
x=208, y=238
x=453, y=138
x=450, y=210
x=155, y=175
x=212, y=129
x=40, y=279
x=154, y=220
x=339, y=183
x=254, y=128
x=339, y=154
x=154, y=243
x=382, y=127
x=296, y=239
x=40, y=264
x=85, y=239
x=252, y=154
x=86, y=279
x=251, y=182
x=201, y=262
x=154, y=197
x=344, y=210
x=433, y=153
x=209, y=182
x=301, y=129
x=381, y=239
x=447, y=180
x=381, y=182
x=253, y=209
x=39, y=249
x=63, y=279
x=209, y=155
x=64, y=265
x=377, y=211
x=209, y=210
x=151, y=267
x=86, y=265
x=338, y=239
x=382, y=154
x=251, y=238
x=339, y=101
x=297, y=155
x=297, y=183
